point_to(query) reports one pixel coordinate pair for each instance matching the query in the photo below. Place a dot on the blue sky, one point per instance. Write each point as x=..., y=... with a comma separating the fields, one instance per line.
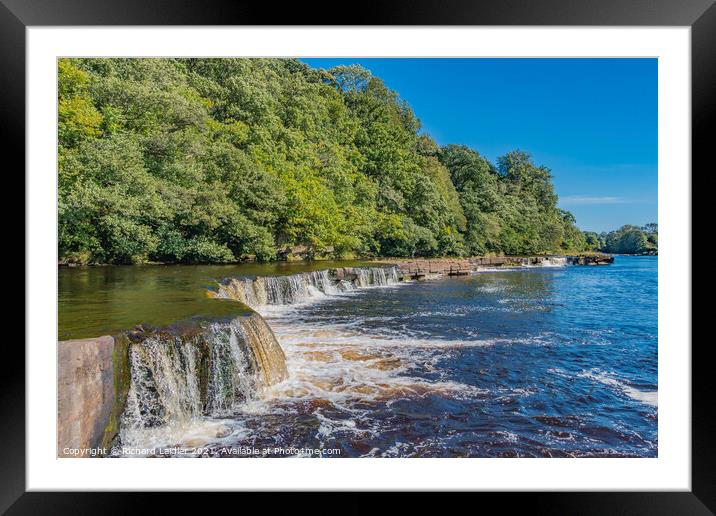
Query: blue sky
x=592, y=121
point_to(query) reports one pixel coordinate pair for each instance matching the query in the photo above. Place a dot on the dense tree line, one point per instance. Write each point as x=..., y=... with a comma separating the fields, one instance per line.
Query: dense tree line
x=217, y=160
x=626, y=240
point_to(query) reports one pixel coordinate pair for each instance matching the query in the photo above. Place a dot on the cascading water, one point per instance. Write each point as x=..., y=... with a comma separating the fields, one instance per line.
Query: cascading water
x=164, y=385
x=178, y=379
x=537, y=261
x=554, y=261
x=183, y=381
x=267, y=356
x=297, y=288
x=376, y=276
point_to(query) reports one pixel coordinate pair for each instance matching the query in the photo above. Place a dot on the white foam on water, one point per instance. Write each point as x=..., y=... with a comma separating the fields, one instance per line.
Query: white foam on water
x=609, y=379
x=491, y=289
x=345, y=368
x=397, y=450
x=319, y=337
x=329, y=426
x=556, y=261
x=508, y=436
x=265, y=293
x=183, y=438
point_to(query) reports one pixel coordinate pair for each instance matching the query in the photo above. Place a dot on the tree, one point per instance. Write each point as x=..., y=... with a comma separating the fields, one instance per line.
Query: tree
x=630, y=239
x=219, y=160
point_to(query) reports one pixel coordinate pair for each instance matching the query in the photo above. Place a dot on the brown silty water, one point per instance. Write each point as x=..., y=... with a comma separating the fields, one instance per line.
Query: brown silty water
x=332, y=365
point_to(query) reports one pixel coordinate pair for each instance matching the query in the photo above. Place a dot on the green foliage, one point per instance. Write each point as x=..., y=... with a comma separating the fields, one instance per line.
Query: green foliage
x=593, y=241
x=510, y=209
x=218, y=160
x=627, y=240
x=77, y=117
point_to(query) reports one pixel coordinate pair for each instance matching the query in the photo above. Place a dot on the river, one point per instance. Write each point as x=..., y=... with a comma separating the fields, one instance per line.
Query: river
x=529, y=362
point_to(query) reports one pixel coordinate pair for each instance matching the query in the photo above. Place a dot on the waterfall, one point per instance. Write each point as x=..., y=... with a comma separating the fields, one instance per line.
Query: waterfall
x=208, y=371
x=180, y=377
x=539, y=261
x=555, y=261
x=268, y=357
x=376, y=276
x=286, y=290
x=164, y=385
x=301, y=287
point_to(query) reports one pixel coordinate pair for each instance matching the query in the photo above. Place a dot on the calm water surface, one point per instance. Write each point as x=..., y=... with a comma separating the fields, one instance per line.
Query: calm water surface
x=104, y=300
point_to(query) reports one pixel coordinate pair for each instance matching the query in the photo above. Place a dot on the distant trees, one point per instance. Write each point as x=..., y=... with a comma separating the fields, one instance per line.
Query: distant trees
x=627, y=239
x=511, y=208
x=217, y=160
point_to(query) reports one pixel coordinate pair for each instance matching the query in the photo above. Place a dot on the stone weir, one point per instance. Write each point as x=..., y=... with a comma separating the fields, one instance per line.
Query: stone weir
x=423, y=268
x=290, y=289
x=262, y=291
x=590, y=259
x=112, y=386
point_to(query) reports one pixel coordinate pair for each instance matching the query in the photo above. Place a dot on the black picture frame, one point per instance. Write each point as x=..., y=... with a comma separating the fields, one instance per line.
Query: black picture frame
x=700, y=15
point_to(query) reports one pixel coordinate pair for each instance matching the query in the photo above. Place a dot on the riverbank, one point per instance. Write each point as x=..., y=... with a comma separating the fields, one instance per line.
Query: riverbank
x=298, y=259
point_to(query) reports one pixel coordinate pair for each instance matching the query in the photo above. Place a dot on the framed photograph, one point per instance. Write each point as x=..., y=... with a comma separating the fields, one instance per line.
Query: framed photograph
x=421, y=243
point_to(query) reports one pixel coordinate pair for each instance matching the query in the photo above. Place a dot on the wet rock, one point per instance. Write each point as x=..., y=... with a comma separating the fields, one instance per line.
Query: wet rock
x=596, y=259
x=349, y=273
x=85, y=395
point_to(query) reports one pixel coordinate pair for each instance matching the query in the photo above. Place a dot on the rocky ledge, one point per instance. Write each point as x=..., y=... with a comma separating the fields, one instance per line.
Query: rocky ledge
x=422, y=268
x=93, y=378
x=590, y=259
